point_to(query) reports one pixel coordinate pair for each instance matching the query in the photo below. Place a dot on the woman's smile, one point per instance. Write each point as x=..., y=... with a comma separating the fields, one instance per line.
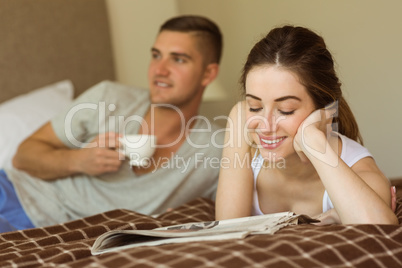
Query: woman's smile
x=272, y=142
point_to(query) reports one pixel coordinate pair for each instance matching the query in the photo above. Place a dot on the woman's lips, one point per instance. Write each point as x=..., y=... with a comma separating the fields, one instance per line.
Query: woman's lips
x=272, y=143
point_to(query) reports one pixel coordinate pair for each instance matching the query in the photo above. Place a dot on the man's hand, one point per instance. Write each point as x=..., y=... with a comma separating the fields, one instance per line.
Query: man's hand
x=100, y=156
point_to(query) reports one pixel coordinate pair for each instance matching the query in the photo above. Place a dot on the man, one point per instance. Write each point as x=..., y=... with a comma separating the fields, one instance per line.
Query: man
x=70, y=167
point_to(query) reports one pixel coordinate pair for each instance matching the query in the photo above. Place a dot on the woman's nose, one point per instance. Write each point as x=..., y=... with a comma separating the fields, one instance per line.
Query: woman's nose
x=270, y=123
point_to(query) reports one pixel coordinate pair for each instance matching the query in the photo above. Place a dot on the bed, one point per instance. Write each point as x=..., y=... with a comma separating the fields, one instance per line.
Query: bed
x=51, y=51
x=69, y=244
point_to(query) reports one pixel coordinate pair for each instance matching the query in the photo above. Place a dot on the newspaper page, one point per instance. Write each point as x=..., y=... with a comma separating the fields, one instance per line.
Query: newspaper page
x=196, y=231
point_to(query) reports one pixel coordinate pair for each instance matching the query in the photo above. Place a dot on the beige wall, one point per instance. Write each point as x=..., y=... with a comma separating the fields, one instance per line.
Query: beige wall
x=134, y=26
x=363, y=35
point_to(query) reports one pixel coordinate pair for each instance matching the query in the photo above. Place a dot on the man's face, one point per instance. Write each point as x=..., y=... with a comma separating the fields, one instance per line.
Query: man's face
x=176, y=71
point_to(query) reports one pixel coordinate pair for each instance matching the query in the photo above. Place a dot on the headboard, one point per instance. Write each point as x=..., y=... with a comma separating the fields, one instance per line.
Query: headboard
x=46, y=41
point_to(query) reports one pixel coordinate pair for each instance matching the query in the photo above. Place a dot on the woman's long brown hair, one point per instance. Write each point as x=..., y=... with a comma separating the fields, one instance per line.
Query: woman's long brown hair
x=303, y=52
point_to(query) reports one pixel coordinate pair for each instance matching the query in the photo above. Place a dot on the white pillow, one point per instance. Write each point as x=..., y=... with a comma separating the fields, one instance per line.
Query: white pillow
x=22, y=115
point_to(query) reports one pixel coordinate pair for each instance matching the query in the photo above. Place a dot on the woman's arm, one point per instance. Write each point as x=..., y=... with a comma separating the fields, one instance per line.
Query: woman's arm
x=235, y=187
x=360, y=194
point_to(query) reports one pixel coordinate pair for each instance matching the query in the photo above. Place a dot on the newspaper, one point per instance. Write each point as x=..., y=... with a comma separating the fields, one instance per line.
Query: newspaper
x=197, y=231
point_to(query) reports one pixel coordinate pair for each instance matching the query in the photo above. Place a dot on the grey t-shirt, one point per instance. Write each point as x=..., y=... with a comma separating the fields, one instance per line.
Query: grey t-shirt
x=190, y=173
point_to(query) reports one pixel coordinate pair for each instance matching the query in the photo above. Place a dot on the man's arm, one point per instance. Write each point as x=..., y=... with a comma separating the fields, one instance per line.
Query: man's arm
x=45, y=156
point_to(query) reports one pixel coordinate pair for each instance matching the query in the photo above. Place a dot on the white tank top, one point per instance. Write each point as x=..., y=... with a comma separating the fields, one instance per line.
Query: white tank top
x=352, y=152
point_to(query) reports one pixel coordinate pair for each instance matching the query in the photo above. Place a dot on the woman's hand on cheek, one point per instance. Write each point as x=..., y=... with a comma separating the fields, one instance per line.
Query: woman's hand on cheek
x=311, y=136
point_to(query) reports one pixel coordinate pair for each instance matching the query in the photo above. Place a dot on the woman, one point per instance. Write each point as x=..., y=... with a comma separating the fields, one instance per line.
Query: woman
x=299, y=148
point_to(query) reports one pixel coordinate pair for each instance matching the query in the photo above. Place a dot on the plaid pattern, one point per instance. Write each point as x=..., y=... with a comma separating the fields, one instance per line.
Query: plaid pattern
x=68, y=245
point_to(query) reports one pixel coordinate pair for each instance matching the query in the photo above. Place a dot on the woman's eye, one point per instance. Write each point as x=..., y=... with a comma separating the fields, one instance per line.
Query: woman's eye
x=286, y=113
x=254, y=110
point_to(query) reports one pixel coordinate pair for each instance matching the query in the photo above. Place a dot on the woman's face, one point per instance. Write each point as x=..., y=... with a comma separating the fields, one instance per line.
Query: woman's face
x=277, y=103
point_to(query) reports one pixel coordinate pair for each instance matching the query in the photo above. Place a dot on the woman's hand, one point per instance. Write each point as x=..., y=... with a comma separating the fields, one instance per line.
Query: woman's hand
x=328, y=217
x=312, y=135
x=393, y=198
x=361, y=193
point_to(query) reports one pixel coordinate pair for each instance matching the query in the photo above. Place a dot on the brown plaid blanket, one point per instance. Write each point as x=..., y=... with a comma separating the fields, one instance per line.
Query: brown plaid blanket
x=68, y=245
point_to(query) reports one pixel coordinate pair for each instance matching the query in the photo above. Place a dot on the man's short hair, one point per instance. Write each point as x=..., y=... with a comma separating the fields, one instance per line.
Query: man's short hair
x=206, y=30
